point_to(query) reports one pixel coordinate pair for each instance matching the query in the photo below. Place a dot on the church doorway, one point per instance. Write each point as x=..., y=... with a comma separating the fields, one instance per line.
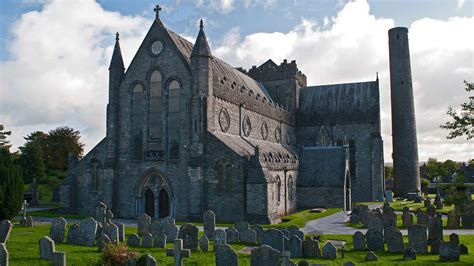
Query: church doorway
x=150, y=203
x=164, y=209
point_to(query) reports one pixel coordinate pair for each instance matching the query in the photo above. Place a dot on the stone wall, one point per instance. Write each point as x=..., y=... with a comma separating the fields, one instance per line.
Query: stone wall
x=323, y=197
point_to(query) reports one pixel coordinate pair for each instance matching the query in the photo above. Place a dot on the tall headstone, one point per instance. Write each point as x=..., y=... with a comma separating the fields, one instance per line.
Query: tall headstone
x=160, y=240
x=73, y=234
x=3, y=254
x=435, y=229
x=169, y=228
x=204, y=243
x=220, y=237
x=87, y=232
x=273, y=238
x=311, y=248
x=259, y=230
x=100, y=212
x=358, y=239
x=189, y=234
x=144, y=222
x=248, y=236
x=58, y=230
x=225, y=256
x=112, y=231
x=405, y=148
x=121, y=231
x=232, y=236
x=209, y=221
x=374, y=240
x=329, y=251
x=394, y=239
x=46, y=248
x=264, y=256
x=5, y=229
x=417, y=238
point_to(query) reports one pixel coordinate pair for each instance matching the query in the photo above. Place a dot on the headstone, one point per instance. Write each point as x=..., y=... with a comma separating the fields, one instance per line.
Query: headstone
x=204, y=243
x=259, y=230
x=73, y=234
x=103, y=241
x=417, y=238
x=265, y=255
x=150, y=260
x=370, y=256
x=463, y=249
x=286, y=243
x=169, y=228
x=394, y=239
x=99, y=231
x=108, y=216
x=285, y=257
x=148, y=240
x=434, y=246
x=58, y=259
x=58, y=230
x=422, y=218
x=285, y=232
x=209, y=222
x=46, y=248
x=225, y=256
x=160, y=240
x=178, y=252
x=329, y=251
x=189, y=234
x=454, y=238
x=431, y=210
x=121, y=231
x=273, y=238
x=3, y=254
x=311, y=248
x=295, y=247
x=134, y=240
x=467, y=221
x=220, y=237
x=453, y=219
x=242, y=225
x=297, y=233
x=389, y=196
x=409, y=254
x=248, y=236
x=29, y=221
x=5, y=229
x=438, y=201
x=87, y=232
x=144, y=222
x=100, y=210
x=358, y=239
x=112, y=231
x=374, y=240
x=375, y=223
x=407, y=219
x=449, y=252
x=435, y=228
x=354, y=219
x=232, y=236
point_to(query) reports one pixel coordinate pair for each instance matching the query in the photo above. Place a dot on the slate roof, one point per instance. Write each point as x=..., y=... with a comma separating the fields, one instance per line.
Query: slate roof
x=322, y=167
x=339, y=103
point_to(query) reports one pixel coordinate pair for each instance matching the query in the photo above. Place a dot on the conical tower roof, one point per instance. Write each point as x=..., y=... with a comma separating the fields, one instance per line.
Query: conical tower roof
x=117, y=60
x=201, y=47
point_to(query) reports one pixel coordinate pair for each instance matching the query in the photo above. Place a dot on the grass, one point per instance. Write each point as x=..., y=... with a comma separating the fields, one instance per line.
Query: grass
x=23, y=249
x=52, y=213
x=399, y=223
x=302, y=217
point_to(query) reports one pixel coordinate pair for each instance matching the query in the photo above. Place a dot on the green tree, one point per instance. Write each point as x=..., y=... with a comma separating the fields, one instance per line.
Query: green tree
x=59, y=143
x=388, y=172
x=11, y=186
x=32, y=162
x=462, y=124
x=4, y=143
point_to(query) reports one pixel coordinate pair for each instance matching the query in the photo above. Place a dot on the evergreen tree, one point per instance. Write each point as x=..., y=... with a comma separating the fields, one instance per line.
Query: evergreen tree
x=11, y=186
x=32, y=162
x=4, y=143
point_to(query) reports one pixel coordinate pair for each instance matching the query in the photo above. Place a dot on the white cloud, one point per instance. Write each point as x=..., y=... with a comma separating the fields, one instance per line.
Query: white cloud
x=353, y=46
x=461, y=3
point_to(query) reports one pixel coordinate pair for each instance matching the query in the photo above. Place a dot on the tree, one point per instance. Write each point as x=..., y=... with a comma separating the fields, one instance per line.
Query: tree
x=32, y=162
x=11, y=186
x=463, y=123
x=4, y=143
x=59, y=143
x=388, y=172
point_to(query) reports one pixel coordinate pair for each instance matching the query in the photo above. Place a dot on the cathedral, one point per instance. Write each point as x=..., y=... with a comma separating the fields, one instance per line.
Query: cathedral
x=186, y=132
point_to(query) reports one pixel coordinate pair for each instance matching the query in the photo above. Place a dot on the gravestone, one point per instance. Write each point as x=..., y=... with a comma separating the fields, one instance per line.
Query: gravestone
x=169, y=228
x=449, y=252
x=112, y=231
x=311, y=248
x=453, y=219
x=389, y=196
x=454, y=238
x=435, y=228
x=99, y=231
x=417, y=238
x=58, y=259
x=422, y=218
x=285, y=232
x=225, y=256
x=178, y=252
x=134, y=240
x=87, y=232
x=431, y=210
x=329, y=251
x=358, y=239
x=273, y=238
x=467, y=221
x=232, y=236
x=248, y=236
x=375, y=223
x=189, y=234
x=102, y=242
x=108, y=216
x=29, y=221
x=354, y=219
x=144, y=222
x=285, y=257
x=58, y=230
x=204, y=243
x=209, y=221
x=434, y=246
x=409, y=254
x=370, y=256
x=149, y=260
x=46, y=248
x=160, y=240
x=242, y=225
x=297, y=233
x=148, y=240
x=3, y=254
x=155, y=227
x=407, y=219
x=374, y=240
x=463, y=249
x=438, y=202
x=295, y=247
x=100, y=211
x=121, y=231
x=73, y=234
x=259, y=230
x=220, y=237
x=265, y=255
x=394, y=239
x=5, y=229
x=286, y=243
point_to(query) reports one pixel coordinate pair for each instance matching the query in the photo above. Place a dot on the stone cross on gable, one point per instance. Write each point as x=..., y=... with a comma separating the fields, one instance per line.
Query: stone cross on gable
x=178, y=252
x=157, y=9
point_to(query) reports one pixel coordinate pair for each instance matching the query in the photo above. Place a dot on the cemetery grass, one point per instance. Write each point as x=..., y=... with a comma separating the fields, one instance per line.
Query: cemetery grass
x=300, y=218
x=24, y=250
x=399, y=223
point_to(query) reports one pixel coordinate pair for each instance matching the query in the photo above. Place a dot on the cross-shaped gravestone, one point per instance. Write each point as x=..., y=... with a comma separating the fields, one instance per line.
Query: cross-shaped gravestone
x=157, y=9
x=25, y=204
x=178, y=252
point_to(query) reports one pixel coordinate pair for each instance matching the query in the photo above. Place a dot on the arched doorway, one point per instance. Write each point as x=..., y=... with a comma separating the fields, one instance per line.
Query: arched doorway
x=164, y=209
x=150, y=203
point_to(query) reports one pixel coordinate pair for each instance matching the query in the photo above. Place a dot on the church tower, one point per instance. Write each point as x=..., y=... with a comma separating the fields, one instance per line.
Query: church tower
x=405, y=148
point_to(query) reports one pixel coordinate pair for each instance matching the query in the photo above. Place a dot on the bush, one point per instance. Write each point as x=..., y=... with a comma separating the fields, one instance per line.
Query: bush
x=424, y=185
x=11, y=186
x=117, y=254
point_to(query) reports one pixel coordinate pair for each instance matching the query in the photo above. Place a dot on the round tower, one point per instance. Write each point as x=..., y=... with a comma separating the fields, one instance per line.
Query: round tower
x=405, y=148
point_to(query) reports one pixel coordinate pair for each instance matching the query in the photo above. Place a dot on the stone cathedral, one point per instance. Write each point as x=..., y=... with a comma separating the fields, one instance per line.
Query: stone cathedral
x=187, y=132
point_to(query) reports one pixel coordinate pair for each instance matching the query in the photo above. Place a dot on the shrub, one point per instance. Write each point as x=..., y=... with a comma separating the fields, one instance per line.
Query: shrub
x=11, y=186
x=117, y=254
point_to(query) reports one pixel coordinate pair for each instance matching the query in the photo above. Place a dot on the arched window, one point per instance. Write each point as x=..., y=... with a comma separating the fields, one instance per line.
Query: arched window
x=173, y=120
x=156, y=125
x=228, y=178
x=96, y=175
x=290, y=188
x=278, y=188
x=224, y=177
x=137, y=122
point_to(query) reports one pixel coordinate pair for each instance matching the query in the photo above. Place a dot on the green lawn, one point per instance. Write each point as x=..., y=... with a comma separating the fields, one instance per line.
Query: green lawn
x=302, y=217
x=23, y=249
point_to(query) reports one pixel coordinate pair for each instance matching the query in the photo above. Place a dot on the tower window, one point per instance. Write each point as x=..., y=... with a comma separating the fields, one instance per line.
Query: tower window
x=173, y=119
x=137, y=122
x=155, y=118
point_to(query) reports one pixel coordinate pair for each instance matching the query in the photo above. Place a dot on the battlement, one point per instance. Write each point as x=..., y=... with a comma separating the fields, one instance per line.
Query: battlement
x=269, y=71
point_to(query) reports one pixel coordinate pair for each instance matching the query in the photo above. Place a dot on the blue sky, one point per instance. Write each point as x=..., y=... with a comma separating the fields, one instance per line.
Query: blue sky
x=64, y=48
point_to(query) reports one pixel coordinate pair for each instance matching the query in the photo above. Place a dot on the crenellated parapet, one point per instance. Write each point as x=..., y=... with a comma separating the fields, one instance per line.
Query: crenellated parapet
x=269, y=71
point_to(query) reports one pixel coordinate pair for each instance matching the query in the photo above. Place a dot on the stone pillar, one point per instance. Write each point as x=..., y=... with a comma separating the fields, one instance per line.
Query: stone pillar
x=405, y=148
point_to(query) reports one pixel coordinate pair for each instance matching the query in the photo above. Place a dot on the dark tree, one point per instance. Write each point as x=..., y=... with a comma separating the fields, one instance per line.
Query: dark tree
x=11, y=186
x=4, y=143
x=59, y=143
x=462, y=124
x=32, y=162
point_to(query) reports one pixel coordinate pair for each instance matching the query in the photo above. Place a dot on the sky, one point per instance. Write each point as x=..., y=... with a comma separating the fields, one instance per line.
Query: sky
x=54, y=54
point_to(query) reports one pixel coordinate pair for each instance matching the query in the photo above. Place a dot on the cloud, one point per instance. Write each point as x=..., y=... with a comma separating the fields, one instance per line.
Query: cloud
x=57, y=74
x=353, y=45
x=461, y=3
